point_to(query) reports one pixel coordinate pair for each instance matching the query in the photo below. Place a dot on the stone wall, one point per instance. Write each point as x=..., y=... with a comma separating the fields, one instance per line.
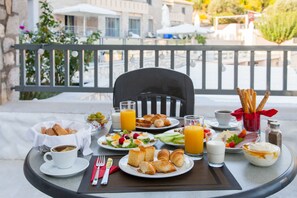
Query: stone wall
x=9, y=27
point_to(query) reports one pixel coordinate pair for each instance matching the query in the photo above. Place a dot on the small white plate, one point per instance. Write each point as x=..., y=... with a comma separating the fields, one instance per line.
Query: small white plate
x=106, y=146
x=174, y=122
x=213, y=134
x=79, y=165
x=215, y=125
x=188, y=165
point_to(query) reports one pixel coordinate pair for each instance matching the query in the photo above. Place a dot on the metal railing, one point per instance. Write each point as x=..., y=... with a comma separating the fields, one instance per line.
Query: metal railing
x=200, y=62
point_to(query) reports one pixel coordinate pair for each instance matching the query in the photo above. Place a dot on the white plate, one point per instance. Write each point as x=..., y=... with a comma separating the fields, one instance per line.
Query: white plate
x=215, y=125
x=188, y=165
x=174, y=122
x=233, y=150
x=213, y=133
x=79, y=165
x=103, y=139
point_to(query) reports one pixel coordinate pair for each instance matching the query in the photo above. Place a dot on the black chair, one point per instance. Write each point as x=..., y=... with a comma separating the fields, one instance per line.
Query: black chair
x=157, y=87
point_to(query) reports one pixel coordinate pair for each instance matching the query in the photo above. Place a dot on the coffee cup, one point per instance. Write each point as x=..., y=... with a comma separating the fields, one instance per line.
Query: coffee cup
x=62, y=156
x=223, y=117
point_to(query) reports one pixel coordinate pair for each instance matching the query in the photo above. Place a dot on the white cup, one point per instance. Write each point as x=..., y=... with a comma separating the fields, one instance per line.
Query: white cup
x=63, y=156
x=215, y=153
x=223, y=117
x=116, y=119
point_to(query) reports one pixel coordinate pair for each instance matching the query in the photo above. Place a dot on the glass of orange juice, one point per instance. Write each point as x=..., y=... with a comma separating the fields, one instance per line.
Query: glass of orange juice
x=194, y=136
x=128, y=115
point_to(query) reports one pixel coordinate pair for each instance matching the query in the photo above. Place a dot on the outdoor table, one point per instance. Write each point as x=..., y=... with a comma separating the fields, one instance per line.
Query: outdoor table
x=255, y=181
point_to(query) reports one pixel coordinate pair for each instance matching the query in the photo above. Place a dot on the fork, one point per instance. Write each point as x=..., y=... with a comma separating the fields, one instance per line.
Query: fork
x=99, y=162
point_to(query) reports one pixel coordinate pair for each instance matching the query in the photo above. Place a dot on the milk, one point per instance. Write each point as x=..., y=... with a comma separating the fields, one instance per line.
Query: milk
x=116, y=120
x=215, y=153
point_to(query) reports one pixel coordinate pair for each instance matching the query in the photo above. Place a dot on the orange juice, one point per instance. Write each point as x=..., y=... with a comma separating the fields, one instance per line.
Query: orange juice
x=128, y=119
x=194, y=136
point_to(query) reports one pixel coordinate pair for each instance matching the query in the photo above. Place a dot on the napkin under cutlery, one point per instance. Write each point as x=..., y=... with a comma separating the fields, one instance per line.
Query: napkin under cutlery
x=113, y=169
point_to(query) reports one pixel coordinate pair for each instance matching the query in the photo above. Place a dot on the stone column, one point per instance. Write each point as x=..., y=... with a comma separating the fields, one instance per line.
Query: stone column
x=9, y=28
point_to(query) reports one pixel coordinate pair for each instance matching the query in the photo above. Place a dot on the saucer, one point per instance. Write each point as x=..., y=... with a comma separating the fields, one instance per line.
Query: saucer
x=79, y=165
x=215, y=125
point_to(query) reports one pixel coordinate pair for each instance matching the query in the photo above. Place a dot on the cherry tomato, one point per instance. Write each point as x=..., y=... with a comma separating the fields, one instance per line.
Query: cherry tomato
x=121, y=140
x=135, y=135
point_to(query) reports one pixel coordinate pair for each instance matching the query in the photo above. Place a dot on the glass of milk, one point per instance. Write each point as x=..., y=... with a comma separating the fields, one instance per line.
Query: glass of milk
x=116, y=119
x=215, y=153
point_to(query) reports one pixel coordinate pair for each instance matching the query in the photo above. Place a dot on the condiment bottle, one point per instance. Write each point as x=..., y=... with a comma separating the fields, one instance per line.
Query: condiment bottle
x=275, y=135
x=268, y=129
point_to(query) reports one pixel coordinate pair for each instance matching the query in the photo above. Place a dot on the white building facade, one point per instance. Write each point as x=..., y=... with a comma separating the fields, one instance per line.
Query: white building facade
x=133, y=17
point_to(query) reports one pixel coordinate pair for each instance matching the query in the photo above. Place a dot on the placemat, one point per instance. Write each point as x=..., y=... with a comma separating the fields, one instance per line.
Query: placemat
x=201, y=177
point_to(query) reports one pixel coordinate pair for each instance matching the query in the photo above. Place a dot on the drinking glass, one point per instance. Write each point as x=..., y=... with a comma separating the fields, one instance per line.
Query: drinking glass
x=128, y=115
x=116, y=119
x=194, y=135
x=215, y=153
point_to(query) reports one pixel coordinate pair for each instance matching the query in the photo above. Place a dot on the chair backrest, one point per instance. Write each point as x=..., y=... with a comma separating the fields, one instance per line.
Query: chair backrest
x=156, y=88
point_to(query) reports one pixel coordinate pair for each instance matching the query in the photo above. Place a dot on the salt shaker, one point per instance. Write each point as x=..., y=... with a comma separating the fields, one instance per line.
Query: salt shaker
x=268, y=129
x=275, y=135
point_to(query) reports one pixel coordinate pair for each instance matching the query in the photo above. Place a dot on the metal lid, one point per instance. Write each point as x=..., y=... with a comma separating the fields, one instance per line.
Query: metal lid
x=271, y=120
x=274, y=125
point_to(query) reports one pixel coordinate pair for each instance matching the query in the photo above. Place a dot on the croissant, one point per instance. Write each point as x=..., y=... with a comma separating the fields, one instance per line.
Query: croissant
x=147, y=168
x=159, y=123
x=162, y=166
x=177, y=157
x=163, y=155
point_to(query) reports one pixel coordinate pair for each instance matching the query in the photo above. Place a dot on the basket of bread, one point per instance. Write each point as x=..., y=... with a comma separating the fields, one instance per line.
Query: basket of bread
x=146, y=161
x=45, y=135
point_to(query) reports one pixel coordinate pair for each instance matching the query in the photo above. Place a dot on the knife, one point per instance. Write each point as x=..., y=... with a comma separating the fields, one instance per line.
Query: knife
x=106, y=173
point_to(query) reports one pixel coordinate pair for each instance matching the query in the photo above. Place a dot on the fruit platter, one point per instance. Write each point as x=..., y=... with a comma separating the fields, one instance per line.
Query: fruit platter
x=234, y=140
x=126, y=140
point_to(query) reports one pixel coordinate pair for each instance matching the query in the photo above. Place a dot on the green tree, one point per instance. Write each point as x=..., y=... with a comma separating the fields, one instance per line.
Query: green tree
x=50, y=32
x=279, y=21
x=225, y=8
x=278, y=27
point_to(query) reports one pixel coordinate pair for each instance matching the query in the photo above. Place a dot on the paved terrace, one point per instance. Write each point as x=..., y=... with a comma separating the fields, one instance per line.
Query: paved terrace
x=17, y=117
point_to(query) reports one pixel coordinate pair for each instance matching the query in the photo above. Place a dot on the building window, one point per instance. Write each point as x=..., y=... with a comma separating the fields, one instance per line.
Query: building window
x=150, y=25
x=184, y=10
x=69, y=23
x=112, y=27
x=149, y=2
x=134, y=26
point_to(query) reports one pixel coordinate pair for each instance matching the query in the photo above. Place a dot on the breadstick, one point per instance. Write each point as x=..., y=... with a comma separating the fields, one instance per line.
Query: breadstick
x=248, y=99
x=240, y=96
x=254, y=102
x=245, y=103
x=263, y=101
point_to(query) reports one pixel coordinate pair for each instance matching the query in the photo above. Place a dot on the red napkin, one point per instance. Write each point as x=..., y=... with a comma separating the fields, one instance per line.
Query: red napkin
x=238, y=113
x=102, y=170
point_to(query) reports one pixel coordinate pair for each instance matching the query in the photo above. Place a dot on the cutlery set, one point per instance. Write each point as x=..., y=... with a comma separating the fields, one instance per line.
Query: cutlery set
x=100, y=161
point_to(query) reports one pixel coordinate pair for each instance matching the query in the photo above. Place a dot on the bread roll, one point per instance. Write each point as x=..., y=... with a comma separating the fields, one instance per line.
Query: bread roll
x=163, y=155
x=147, y=168
x=59, y=130
x=135, y=157
x=51, y=132
x=148, y=117
x=159, y=123
x=163, y=166
x=149, y=153
x=167, y=122
x=177, y=157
